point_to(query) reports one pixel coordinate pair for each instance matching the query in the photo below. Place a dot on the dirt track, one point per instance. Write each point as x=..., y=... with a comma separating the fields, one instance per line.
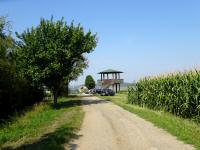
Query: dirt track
x=109, y=127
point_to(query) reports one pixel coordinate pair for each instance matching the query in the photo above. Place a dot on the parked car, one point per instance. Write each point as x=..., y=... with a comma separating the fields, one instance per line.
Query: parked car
x=107, y=92
x=92, y=91
x=99, y=91
x=96, y=91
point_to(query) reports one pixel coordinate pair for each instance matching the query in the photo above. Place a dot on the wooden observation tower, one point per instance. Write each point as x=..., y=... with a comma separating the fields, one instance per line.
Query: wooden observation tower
x=111, y=79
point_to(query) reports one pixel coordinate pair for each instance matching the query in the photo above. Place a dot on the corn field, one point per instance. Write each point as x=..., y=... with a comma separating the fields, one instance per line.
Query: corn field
x=177, y=93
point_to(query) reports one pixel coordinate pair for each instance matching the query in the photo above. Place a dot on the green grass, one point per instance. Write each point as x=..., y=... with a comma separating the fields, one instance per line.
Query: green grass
x=185, y=130
x=44, y=127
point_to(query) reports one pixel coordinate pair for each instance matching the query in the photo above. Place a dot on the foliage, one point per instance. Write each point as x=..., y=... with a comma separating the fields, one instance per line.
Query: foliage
x=15, y=93
x=49, y=53
x=89, y=82
x=6, y=44
x=6, y=41
x=177, y=93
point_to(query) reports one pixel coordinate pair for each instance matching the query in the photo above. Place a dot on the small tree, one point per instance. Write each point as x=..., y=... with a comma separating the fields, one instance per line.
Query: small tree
x=89, y=82
x=48, y=54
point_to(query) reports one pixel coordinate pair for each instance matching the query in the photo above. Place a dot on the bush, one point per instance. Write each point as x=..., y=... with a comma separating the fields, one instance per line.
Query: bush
x=177, y=93
x=15, y=93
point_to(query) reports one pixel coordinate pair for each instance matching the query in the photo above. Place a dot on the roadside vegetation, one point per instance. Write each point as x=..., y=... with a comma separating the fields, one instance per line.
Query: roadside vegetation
x=185, y=130
x=41, y=59
x=177, y=93
x=16, y=92
x=35, y=66
x=44, y=126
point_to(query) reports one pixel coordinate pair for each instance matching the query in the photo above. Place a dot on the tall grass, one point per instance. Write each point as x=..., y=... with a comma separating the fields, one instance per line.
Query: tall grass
x=177, y=93
x=44, y=126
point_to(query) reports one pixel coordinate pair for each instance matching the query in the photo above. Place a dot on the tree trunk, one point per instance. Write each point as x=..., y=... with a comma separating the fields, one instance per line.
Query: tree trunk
x=67, y=88
x=55, y=97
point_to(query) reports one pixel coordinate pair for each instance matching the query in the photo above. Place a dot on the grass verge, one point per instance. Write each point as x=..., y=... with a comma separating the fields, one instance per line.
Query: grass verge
x=185, y=130
x=44, y=127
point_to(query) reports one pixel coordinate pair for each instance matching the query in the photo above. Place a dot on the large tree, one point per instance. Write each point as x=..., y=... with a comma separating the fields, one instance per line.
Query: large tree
x=49, y=53
x=89, y=82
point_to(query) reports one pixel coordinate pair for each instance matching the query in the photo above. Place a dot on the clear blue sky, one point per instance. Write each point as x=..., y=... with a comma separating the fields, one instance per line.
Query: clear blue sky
x=139, y=37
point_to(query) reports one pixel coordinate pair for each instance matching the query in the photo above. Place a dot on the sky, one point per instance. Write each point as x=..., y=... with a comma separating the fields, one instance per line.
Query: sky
x=139, y=37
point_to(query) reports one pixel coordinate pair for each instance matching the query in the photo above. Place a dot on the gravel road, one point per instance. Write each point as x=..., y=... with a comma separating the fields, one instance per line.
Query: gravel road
x=109, y=127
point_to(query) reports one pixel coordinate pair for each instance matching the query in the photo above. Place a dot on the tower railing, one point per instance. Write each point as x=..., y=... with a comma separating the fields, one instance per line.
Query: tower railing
x=110, y=81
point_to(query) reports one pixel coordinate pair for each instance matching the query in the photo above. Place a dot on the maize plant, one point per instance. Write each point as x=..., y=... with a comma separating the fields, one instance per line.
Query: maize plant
x=177, y=93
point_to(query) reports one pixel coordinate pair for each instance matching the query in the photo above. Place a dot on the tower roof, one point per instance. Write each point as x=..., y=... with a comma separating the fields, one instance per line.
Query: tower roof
x=110, y=71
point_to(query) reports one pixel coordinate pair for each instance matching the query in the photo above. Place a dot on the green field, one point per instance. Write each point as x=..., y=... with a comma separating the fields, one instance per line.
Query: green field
x=184, y=129
x=44, y=126
x=177, y=93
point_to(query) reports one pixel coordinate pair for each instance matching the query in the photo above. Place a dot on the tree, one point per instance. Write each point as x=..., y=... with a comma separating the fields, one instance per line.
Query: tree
x=6, y=41
x=7, y=68
x=49, y=53
x=15, y=92
x=89, y=82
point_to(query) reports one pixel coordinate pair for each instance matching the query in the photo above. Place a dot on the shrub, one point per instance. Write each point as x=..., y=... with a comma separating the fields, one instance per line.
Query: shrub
x=15, y=93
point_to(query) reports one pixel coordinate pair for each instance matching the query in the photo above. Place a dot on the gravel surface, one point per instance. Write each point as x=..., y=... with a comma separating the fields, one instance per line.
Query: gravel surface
x=109, y=127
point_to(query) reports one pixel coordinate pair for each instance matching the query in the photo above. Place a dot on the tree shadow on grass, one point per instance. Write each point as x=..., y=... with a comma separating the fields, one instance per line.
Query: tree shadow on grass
x=67, y=104
x=73, y=103
x=51, y=141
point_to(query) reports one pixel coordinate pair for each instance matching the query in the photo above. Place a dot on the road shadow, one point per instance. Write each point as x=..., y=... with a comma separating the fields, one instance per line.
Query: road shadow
x=74, y=103
x=73, y=146
x=90, y=102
